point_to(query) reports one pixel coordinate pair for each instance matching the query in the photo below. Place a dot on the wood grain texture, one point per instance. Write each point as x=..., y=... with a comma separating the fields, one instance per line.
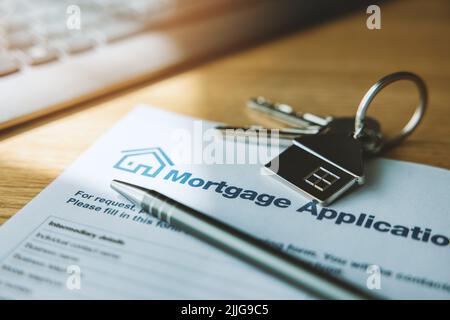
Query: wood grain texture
x=325, y=70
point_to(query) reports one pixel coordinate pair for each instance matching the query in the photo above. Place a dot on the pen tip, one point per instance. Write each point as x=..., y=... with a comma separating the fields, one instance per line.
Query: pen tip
x=130, y=191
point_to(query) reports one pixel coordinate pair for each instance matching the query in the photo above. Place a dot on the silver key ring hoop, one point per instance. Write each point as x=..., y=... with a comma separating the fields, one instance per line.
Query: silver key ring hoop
x=376, y=88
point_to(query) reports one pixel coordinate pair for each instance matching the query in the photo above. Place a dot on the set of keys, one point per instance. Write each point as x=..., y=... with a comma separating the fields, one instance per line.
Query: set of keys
x=325, y=155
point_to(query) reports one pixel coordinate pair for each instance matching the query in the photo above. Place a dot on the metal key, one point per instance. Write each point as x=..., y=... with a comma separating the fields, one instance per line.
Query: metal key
x=286, y=136
x=305, y=164
x=325, y=165
x=322, y=167
x=286, y=114
x=311, y=123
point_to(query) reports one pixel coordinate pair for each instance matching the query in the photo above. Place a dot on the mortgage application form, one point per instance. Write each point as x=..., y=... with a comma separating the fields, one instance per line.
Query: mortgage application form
x=78, y=239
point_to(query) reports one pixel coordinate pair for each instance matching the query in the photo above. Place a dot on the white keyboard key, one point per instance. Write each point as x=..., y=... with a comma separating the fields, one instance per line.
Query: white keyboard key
x=124, y=12
x=151, y=7
x=118, y=31
x=14, y=24
x=7, y=65
x=53, y=15
x=55, y=31
x=89, y=19
x=41, y=54
x=20, y=40
x=77, y=44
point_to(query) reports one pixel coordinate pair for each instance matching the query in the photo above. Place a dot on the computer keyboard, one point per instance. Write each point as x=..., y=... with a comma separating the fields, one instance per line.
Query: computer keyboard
x=56, y=53
x=38, y=32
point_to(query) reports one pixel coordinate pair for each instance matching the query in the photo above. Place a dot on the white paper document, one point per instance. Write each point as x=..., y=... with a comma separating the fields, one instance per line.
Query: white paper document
x=79, y=240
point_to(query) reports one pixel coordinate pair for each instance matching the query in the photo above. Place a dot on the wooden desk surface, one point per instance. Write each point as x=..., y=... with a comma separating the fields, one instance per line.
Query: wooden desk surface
x=325, y=70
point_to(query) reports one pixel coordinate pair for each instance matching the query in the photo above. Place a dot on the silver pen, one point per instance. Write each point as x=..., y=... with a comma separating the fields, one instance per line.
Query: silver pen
x=293, y=271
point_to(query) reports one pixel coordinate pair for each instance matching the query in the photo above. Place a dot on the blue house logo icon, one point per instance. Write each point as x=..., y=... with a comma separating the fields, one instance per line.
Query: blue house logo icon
x=147, y=162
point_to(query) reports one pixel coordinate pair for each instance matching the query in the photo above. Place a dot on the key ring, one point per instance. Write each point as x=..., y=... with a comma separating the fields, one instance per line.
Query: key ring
x=376, y=88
